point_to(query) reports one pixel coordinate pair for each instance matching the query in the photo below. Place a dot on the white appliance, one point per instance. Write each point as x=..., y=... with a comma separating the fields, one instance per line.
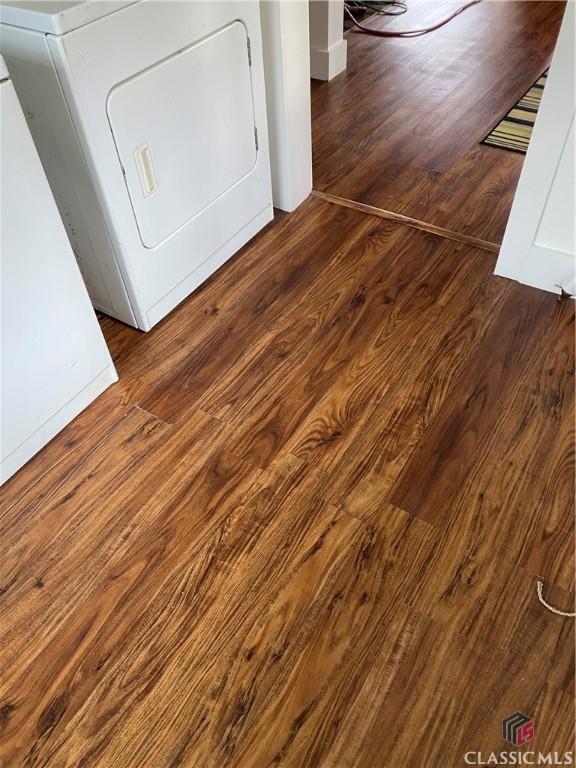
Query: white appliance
x=150, y=120
x=53, y=355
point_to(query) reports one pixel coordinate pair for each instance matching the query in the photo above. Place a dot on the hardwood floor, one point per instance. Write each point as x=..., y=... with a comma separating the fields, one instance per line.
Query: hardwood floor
x=305, y=527
x=400, y=129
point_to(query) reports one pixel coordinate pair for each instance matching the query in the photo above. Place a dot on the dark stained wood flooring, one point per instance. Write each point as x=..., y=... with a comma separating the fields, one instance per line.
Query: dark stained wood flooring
x=305, y=527
x=400, y=129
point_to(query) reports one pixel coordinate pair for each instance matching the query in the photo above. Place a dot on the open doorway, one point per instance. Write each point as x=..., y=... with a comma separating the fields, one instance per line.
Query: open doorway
x=413, y=142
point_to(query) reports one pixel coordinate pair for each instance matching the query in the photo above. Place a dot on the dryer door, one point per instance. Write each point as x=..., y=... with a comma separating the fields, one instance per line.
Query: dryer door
x=185, y=131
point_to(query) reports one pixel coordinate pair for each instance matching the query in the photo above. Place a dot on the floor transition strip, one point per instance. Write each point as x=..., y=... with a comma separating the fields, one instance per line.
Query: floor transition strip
x=408, y=221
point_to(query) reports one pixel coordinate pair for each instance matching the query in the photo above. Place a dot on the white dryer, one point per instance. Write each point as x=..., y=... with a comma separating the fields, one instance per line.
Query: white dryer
x=150, y=120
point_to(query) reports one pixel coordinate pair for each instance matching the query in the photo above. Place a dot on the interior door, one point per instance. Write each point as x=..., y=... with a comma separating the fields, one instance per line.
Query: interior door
x=539, y=246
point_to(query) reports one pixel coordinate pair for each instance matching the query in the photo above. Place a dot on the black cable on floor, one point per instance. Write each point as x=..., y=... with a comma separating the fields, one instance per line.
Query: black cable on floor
x=379, y=7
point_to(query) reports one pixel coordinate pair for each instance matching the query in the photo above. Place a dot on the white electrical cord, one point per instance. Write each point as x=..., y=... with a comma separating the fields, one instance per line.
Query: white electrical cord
x=539, y=588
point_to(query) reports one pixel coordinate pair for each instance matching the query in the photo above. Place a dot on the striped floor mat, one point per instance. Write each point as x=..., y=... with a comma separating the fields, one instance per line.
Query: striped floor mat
x=514, y=131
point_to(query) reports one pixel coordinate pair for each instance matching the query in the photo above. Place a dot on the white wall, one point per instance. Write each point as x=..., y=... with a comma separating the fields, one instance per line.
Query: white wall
x=287, y=73
x=327, y=44
x=539, y=246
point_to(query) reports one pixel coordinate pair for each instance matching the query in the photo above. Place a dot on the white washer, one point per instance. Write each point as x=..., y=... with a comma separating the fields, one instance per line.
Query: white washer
x=54, y=360
x=150, y=120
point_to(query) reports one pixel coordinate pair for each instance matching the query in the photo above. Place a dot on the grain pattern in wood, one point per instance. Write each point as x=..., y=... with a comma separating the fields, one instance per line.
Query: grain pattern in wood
x=321, y=548
x=464, y=426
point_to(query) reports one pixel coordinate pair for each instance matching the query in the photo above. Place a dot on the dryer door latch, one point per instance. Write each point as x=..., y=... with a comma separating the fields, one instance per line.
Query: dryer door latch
x=143, y=158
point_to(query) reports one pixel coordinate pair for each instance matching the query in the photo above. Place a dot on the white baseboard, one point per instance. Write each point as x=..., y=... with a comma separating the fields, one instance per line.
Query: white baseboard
x=325, y=65
x=545, y=268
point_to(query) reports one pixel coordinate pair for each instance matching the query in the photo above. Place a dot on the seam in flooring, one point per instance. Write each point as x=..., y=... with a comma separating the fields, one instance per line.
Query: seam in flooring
x=408, y=221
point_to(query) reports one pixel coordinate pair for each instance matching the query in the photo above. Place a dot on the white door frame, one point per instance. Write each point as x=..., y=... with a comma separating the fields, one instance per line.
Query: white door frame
x=300, y=39
x=526, y=254
x=285, y=45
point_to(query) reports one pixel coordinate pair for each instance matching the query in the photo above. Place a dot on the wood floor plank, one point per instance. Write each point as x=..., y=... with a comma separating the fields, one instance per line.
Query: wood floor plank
x=450, y=446
x=557, y=708
x=82, y=522
x=169, y=642
x=517, y=498
x=427, y=695
x=369, y=325
x=516, y=495
x=309, y=317
x=158, y=538
x=323, y=603
x=365, y=445
x=376, y=576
